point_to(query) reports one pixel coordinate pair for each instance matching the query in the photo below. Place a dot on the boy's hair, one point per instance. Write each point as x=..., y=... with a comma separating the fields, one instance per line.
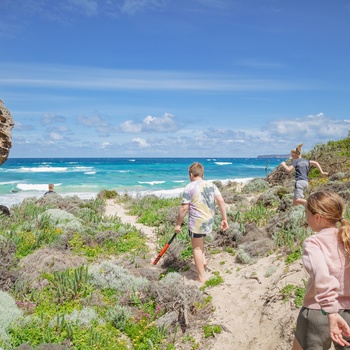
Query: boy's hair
x=297, y=150
x=330, y=206
x=51, y=187
x=196, y=169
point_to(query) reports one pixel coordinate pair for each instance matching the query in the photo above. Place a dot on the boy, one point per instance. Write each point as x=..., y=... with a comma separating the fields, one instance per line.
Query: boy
x=198, y=200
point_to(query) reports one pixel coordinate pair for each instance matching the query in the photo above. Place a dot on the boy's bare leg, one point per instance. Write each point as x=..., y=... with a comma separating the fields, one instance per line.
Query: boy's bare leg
x=296, y=345
x=198, y=256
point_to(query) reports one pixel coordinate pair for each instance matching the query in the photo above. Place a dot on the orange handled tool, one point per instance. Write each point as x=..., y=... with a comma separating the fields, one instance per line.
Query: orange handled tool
x=164, y=249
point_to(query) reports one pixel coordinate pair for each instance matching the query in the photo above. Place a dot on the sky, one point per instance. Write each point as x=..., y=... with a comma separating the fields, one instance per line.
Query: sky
x=174, y=78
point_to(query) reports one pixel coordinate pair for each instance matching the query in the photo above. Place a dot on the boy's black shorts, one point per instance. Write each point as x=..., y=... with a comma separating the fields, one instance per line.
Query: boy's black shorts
x=196, y=235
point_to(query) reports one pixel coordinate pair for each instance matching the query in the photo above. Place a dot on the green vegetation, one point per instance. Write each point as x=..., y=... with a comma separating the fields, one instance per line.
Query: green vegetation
x=211, y=329
x=296, y=293
x=71, y=276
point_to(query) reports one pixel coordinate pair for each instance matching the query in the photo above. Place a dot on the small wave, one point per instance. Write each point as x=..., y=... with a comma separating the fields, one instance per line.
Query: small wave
x=179, y=181
x=45, y=169
x=90, y=173
x=223, y=163
x=131, y=160
x=8, y=183
x=33, y=187
x=83, y=168
x=151, y=182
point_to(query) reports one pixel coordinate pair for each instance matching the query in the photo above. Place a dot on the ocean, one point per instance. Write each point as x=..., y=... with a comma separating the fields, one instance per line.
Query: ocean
x=85, y=177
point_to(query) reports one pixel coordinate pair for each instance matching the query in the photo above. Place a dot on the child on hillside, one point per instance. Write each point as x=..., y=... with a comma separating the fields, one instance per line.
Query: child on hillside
x=198, y=200
x=301, y=167
x=325, y=314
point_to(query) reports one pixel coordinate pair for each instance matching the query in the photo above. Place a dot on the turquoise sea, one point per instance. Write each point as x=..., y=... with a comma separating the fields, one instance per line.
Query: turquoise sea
x=85, y=177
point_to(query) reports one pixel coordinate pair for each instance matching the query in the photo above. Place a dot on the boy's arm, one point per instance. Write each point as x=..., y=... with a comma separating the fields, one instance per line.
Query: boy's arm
x=318, y=166
x=287, y=168
x=222, y=206
x=180, y=217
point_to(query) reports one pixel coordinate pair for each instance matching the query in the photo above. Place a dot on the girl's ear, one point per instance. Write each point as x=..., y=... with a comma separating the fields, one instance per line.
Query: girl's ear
x=318, y=218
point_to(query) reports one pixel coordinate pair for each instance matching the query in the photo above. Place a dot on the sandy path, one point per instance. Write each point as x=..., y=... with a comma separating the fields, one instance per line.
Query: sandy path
x=245, y=304
x=113, y=208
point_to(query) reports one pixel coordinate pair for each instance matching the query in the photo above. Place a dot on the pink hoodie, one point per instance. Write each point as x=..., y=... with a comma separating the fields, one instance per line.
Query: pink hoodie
x=328, y=265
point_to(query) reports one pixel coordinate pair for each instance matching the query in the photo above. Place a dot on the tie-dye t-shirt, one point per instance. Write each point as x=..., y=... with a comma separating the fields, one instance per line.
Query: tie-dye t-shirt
x=200, y=195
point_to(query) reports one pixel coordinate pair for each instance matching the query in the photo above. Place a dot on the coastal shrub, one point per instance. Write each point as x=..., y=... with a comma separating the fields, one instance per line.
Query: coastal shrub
x=9, y=312
x=47, y=260
x=118, y=316
x=57, y=330
x=83, y=318
x=152, y=210
x=110, y=275
x=171, y=294
x=7, y=252
x=243, y=257
x=272, y=196
x=60, y=219
x=258, y=213
x=255, y=186
x=70, y=284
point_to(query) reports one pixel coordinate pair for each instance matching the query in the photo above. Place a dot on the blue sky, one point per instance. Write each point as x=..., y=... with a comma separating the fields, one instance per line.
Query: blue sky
x=174, y=78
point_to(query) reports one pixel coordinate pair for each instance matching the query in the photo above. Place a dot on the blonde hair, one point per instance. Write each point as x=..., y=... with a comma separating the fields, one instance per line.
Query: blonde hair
x=196, y=169
x=330, y=206
x=297, y=150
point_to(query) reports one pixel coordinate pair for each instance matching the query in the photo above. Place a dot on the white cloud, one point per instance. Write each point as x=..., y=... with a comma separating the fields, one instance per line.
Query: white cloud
x=131, y=127
x=141, y=142
x=49, y=118
x=133, y=6
x=88, y=7
x=54, y=136
x=164, y=124
x=104, y=145
x=92, y=78
x=95, y=121
x=312, y=128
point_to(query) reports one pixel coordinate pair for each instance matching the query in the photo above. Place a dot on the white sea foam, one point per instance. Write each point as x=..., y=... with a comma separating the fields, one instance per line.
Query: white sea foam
x=90, y=172
x=151, y=182
x=8, y=183
x=82, y=168
x=45, y=169
x=34, y=187
x=178, y=181
x=223, y=163
x=131, y=160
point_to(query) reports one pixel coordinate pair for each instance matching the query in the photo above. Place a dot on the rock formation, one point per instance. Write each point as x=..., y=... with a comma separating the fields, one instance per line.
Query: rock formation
x=6, y=125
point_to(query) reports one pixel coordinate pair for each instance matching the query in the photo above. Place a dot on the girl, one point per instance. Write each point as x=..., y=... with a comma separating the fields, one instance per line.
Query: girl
x=325, y=314
x=301, y=167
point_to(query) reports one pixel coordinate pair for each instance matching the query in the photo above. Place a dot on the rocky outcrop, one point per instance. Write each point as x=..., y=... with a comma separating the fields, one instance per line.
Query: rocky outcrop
x=6, y=125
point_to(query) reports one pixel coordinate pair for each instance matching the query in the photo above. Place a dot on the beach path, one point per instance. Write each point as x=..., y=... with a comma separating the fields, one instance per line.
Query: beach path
x=114, y=209
x=248, y=305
